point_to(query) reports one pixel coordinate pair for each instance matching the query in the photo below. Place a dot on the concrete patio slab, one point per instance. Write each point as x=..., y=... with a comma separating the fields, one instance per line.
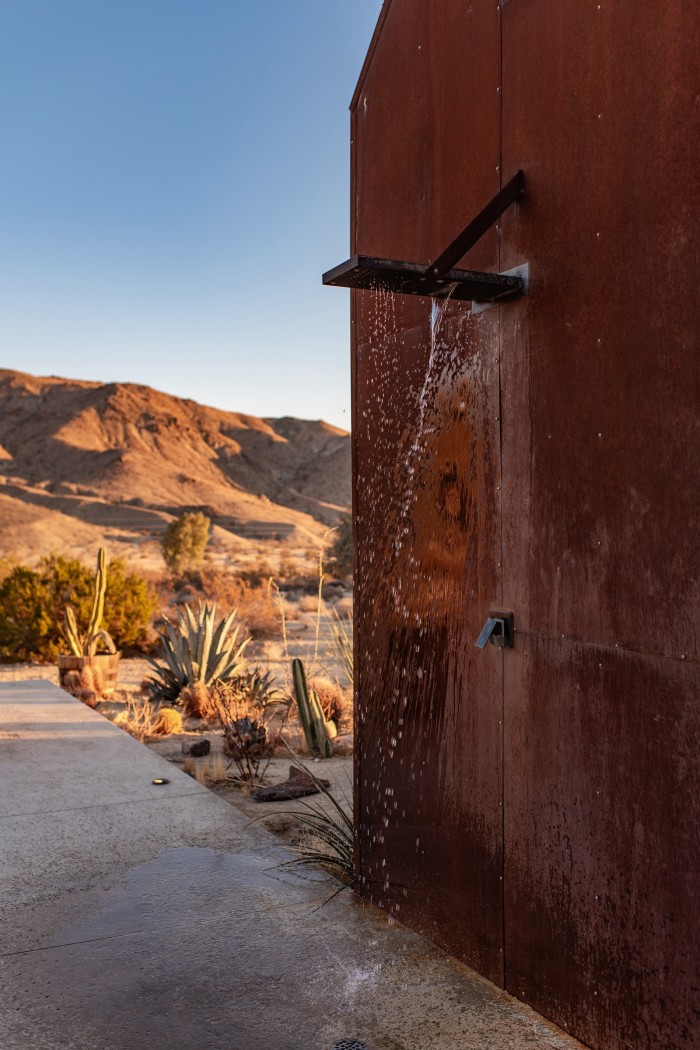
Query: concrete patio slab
x=138, y=917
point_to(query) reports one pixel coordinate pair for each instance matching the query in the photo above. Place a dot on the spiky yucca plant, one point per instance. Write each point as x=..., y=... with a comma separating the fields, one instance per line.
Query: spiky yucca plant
x=195, y=652
x=330, y=838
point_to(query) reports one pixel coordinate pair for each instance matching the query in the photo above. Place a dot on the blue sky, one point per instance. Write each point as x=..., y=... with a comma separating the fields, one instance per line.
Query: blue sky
x=175, y=178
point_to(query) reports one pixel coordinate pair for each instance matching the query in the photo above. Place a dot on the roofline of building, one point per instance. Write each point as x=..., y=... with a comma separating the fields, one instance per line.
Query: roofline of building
x=370, y=52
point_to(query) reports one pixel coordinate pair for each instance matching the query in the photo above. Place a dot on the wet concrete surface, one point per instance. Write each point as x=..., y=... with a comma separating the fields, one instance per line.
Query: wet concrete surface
x=134, y=920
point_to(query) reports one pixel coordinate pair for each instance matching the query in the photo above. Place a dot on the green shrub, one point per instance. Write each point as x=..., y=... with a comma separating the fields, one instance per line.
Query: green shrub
x=32, y=602
x=8, y=562
x=185, y=541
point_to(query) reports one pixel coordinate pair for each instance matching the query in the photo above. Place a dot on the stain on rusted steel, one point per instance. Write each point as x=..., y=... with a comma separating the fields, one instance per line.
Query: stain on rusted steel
x=426, y=441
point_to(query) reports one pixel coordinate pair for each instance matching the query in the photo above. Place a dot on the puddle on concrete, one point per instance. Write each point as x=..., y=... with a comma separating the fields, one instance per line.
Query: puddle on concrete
x=186, y=950
x=202, y=948
x=193, y=885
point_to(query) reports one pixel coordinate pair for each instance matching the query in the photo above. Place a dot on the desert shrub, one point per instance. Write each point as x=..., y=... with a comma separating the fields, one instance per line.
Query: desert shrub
x=239, y=706
x=32, y=603
x=336, y=702
x=343, y=608
x=131, y=604
x=339, y=561
x=185, y=541
x=288, y=569
x=308, y=603
x=138, y=719
x=7, y=563
x=255, y=603
x=257, y=575
x=28, y=617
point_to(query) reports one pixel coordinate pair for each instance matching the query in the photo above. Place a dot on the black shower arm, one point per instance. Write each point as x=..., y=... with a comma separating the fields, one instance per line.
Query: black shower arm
x=478, y=226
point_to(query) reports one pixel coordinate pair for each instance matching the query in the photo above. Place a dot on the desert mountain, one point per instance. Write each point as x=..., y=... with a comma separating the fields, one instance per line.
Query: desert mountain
x=82, y=463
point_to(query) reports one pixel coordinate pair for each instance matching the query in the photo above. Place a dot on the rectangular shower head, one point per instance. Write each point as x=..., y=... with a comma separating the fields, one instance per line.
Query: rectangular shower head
x=367, y=273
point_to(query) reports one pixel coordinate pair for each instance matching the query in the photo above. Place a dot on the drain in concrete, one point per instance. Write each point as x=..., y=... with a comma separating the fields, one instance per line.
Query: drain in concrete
x=349, y=1044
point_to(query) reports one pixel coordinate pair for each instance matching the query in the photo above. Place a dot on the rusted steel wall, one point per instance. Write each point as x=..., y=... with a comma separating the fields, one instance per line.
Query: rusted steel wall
x=426, y=464
x=600, y=519
x=535, y=811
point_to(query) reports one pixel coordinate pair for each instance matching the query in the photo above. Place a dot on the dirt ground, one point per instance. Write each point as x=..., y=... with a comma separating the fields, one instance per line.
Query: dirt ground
x=212, y=771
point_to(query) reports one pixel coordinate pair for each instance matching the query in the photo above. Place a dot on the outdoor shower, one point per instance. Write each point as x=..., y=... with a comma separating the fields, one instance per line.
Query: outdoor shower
x=439, y=279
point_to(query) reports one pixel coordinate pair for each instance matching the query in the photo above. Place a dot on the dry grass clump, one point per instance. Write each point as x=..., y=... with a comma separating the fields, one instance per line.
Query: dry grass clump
x=210, y=770
x=327, y=835
x=138, y=719
x=343, y=608
x=336, y=702
x=308, y=603
x=196, y=702
x=196, y=768
x=217, y=768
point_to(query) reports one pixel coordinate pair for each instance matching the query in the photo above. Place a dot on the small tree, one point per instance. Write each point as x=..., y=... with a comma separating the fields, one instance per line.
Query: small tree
x=185, y=541
x=340, y=553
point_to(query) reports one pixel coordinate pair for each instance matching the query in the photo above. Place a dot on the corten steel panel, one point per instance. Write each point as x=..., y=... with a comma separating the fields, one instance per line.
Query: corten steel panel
x=600, y=481
x=426, y=132
x=602, y=817
x=601, y=419
x=426, y=474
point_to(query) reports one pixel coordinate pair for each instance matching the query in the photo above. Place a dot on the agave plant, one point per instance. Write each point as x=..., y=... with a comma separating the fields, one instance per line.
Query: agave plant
x=195, y=651
x=256, y=689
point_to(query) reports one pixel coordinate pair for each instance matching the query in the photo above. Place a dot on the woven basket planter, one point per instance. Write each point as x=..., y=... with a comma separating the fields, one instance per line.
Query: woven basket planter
x=98, y=674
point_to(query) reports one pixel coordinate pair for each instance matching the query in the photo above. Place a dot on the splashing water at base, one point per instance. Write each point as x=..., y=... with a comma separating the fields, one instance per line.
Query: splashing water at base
x=356, y=979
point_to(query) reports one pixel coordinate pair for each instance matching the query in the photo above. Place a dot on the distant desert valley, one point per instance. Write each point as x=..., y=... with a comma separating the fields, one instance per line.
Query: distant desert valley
x=86, y=464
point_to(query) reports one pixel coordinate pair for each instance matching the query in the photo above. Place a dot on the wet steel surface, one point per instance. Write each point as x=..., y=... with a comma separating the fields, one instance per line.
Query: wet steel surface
x=540, y=458
x=426, y=439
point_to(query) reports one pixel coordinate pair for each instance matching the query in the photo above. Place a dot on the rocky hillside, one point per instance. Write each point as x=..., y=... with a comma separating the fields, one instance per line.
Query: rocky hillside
x=83, y=463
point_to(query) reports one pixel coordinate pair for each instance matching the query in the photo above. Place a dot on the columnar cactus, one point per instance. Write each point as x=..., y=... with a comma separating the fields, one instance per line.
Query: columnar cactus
x=86, y=645
x=310, y=713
